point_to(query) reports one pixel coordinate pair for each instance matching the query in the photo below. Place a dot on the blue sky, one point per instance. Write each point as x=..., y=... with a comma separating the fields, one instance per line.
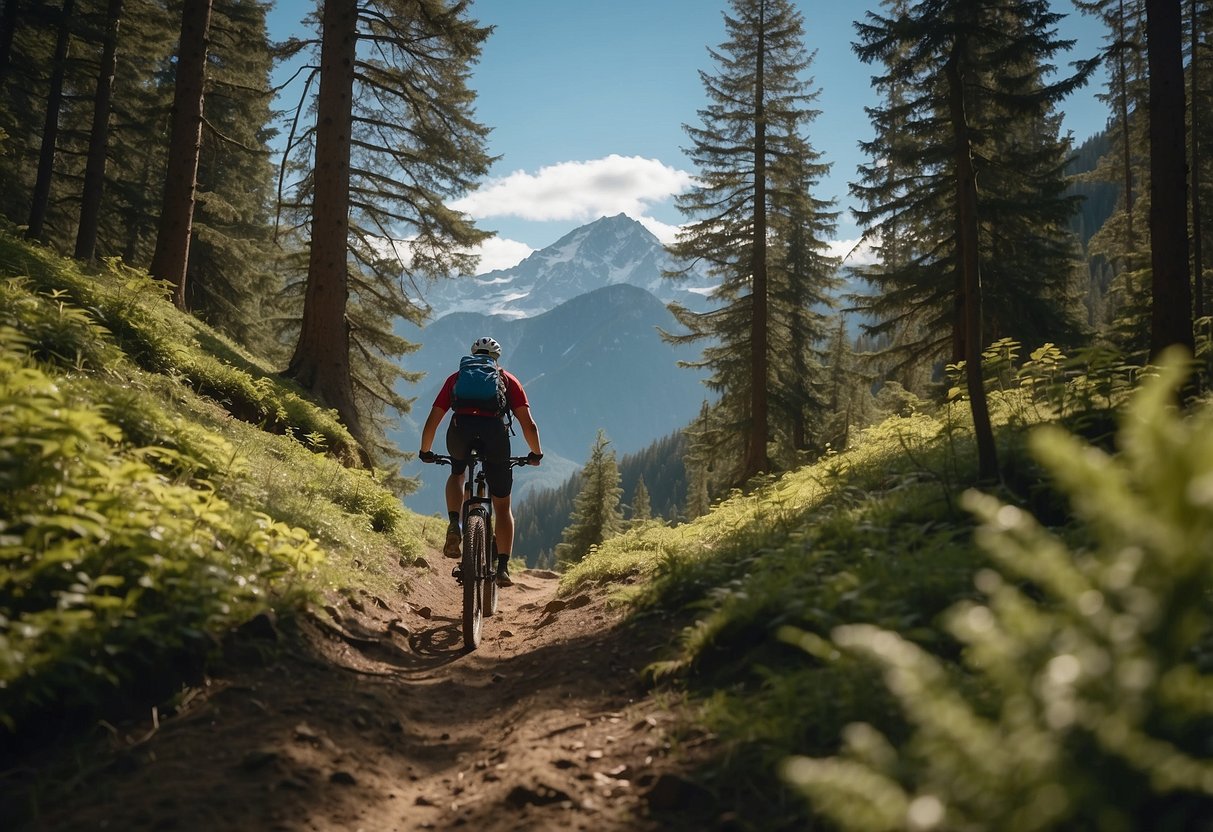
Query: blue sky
x=587, y=100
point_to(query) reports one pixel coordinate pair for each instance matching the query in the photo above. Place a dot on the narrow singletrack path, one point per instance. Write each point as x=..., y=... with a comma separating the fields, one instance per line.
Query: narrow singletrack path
x=374, y=718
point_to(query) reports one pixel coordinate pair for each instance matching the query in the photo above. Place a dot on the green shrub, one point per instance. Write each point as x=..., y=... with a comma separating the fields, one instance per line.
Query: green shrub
x=109, y=568
x=1093, y=702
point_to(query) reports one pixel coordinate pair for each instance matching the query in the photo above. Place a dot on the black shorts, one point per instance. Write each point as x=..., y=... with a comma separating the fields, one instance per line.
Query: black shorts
x=488, y=435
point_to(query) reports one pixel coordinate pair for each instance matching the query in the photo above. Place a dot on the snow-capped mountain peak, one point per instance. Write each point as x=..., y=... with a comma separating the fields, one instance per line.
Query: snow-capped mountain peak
x=606, y=252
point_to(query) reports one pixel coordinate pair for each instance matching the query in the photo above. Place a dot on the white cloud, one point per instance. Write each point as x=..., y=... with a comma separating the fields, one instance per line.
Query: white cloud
x=500, y=253
x=853, y=252
x=578, y=191
x=661, y=230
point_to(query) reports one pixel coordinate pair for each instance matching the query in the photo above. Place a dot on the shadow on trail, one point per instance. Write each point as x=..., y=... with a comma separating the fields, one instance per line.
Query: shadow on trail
x=444, y=643
x=407, y=728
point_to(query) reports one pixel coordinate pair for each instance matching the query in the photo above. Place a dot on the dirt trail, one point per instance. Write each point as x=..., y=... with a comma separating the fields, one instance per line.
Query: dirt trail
x=376, y=719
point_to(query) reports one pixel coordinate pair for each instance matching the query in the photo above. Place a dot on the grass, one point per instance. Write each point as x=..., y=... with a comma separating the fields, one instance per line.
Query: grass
x=876, y=535
x=160, y=487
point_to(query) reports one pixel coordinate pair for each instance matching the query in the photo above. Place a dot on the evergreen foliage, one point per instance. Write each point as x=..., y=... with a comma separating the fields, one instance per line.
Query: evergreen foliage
x=232, y=283
x=874, y=534
x=596, y=513
x=139, y=521
x=404, y=140
x=1123, y=241
x=642, y=509
x=755, y=225
x=1089, y=651
x=230, y=268
x=1026, y=253
x=541, y=517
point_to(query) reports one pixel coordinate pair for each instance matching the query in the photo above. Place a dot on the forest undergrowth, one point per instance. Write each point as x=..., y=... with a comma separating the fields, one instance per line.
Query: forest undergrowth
x=909, y=650
x=872, y=638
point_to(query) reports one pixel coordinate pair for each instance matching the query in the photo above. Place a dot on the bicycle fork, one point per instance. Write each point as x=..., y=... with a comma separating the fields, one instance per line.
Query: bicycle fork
x=482, y=505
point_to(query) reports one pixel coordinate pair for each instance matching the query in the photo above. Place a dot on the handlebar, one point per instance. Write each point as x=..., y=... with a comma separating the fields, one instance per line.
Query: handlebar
x=443, y=459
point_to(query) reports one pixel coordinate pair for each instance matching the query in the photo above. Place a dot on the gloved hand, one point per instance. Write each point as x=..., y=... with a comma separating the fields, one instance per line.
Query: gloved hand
x=533, y=458
x=427, y=456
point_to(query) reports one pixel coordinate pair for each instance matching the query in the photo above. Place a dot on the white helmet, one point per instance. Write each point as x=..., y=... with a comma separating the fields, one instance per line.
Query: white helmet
x=488, y=345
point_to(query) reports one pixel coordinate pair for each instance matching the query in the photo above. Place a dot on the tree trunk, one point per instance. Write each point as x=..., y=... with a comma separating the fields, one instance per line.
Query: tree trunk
x=50, y=129
x=171, y=258
x=1125, y=139
x=321, y=362
x=1198, y=258
x=756, y=447
x=1171, y=310
x=8, y=28
x=98, y=143
x=970, y=267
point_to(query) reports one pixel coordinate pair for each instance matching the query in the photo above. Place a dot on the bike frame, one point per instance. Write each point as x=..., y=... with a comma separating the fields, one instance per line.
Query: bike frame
x=480, y=586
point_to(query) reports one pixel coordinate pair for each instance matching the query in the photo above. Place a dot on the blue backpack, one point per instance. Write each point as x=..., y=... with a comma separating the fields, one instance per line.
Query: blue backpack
x=480, y=385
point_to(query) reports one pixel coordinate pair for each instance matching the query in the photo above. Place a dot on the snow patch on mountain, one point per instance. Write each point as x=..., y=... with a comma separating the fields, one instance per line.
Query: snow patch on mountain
x=609, y=251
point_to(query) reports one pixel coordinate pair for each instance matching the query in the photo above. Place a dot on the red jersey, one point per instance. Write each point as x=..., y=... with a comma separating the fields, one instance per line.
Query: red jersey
x=515, y=396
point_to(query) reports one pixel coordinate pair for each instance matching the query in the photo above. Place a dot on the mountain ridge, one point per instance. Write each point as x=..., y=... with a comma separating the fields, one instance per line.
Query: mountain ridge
x=596, y=361
x=608, y=251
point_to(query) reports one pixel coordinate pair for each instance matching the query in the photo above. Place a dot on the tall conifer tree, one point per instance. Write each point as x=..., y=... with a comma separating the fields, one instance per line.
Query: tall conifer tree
x=395, y=137
x=232, y=283
x=971, y=74
x=50, y=125
x=171, y=258
x=642, y=508
x=1171, y=301
x=98, y=142
x=1124, y=240
x=755, y=167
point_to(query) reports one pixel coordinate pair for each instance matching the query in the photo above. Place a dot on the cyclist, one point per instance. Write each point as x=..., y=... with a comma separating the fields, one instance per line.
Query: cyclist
x=485, y=431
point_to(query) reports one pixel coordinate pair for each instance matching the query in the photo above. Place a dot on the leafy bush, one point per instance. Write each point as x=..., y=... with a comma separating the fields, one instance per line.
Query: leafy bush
x=48, y=296
x=1093, y=700
x=109, y=568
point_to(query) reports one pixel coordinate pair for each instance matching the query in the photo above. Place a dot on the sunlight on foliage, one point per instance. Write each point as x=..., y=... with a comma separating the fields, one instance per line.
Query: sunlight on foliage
x=101, y=552
x=1091, y=660
x=158, y=487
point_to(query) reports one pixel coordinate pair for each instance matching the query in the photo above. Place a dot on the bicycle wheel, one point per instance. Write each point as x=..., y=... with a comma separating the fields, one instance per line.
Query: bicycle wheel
x=490, y=582
x=474, y=544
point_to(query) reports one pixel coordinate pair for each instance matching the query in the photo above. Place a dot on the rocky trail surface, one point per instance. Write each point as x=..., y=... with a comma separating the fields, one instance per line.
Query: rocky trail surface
x=372, y=717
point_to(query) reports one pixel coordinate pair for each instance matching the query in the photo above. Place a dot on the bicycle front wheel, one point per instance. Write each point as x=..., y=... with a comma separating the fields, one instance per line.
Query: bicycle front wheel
x=490, y=583
x=475, y=543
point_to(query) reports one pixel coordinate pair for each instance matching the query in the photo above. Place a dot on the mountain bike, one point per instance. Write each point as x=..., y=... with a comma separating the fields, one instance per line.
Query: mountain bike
x=477, y=569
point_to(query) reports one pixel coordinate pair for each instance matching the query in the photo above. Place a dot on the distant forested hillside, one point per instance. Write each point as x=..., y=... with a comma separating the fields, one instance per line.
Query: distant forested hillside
x=541, y=518
x=1099, y=197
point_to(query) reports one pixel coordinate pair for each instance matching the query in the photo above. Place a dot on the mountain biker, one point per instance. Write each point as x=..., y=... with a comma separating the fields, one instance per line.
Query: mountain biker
x=485, y=431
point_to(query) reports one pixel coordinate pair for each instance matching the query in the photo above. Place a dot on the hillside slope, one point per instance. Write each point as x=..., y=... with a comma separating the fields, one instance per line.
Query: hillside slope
x=251, y=635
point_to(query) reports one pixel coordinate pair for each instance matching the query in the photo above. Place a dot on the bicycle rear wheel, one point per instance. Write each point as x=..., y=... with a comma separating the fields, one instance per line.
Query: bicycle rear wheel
x=474, y=555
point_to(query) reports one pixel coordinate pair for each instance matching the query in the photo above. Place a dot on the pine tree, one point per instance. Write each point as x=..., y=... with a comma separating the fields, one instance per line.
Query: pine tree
x=1123, y=241
x=1198, y=22
x=641, y=509
x=698, y=500
x=134, y=164
x=395, y=135
x=803, y=283
x=232, y=283
x=98, y=143
x=171, y=258
x=143, y=95
x=50, y=126
x=698, y=460
x=596, y=513
x=976, y=172
x=1171, y=301
x=755, y=168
